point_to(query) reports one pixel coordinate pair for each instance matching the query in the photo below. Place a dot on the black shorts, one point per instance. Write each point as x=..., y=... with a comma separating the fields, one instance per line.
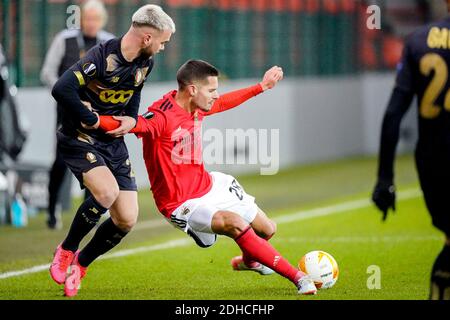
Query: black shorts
x=434, y=177
x=81, y=156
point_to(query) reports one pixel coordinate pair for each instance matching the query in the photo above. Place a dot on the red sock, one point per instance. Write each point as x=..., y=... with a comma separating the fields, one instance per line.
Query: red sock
x=249, y=262
x=257, y=249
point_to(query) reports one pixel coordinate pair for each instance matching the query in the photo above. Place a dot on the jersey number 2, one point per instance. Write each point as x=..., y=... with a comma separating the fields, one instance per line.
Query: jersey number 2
x=236, y=188
x=434, y=62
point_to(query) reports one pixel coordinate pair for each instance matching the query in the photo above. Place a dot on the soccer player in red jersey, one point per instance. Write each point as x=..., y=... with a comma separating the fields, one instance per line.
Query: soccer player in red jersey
x=199, y=203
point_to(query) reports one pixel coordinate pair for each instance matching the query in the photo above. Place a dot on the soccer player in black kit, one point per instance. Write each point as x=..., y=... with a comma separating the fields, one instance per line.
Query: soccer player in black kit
x=106, y=81
x=424, y=72
x=69, y=46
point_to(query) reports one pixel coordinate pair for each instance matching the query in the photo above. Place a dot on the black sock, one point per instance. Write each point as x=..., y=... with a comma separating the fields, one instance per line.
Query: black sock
x=442, y=261
x=440, y=276
x=108, y=235
x=86, y=218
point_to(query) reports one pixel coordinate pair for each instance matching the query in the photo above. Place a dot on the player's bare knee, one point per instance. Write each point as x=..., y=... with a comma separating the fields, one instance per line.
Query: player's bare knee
x=273, y=228
x=125, y=224
x=267, y=230
x=106, y=196
x=228, y=223
x=269, y=233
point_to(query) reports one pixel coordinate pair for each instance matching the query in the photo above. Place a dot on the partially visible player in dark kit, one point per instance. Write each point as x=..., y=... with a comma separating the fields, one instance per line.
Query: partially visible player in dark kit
x=423, y=72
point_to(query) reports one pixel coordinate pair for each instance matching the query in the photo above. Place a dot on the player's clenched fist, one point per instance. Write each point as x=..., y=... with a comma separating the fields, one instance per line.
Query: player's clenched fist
x=271, y=77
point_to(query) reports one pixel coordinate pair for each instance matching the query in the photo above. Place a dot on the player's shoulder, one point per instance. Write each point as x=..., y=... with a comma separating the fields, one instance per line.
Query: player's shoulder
x=102, y=50
x=109, y=45
x=428, y=34
x=164, y=105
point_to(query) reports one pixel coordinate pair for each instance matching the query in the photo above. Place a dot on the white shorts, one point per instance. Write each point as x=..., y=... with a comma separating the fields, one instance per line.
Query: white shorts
x=195, y=215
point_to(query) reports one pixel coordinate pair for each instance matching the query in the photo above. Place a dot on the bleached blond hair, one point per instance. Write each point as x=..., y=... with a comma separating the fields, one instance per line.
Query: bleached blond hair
x=153, y=16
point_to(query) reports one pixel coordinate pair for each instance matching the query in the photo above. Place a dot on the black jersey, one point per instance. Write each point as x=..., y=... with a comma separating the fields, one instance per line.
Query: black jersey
x=424, y=72
x=111, y=84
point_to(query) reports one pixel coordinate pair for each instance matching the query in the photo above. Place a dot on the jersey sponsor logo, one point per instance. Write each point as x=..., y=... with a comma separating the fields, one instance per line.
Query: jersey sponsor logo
x=89, y=69
x=113, y=96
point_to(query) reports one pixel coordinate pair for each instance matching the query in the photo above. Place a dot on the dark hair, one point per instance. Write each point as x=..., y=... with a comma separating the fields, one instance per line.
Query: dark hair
x=193, y=70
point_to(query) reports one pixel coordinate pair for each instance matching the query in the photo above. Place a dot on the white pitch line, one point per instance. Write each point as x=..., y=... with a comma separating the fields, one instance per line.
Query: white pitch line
x=121, y=253
x=296, y=216
x=339, y=208
x=360, y=239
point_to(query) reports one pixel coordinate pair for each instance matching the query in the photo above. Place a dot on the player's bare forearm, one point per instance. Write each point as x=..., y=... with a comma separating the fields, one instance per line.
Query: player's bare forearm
x=127, y=123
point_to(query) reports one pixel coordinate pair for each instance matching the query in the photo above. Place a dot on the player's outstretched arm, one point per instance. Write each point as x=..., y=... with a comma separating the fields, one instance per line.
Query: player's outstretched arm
x=150, y=124
x=111, y=123
x=235, y=98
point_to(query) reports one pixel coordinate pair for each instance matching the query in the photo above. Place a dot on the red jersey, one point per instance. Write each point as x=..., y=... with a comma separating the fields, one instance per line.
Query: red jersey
x=172, y=147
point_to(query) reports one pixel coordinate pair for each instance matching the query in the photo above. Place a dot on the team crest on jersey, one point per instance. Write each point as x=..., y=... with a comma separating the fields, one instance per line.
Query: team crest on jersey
x=89, y=69
x=91, y=157
x=139, y=76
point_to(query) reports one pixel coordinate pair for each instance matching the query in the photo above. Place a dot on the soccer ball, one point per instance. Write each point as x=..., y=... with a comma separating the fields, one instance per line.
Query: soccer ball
x=321, y=266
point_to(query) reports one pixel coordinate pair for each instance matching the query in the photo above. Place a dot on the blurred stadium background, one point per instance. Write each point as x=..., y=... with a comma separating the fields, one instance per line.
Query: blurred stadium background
x=338, y=72
x=338, y=77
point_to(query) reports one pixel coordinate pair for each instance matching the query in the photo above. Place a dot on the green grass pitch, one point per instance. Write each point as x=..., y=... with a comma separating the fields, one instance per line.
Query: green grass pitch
x=168, y=264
